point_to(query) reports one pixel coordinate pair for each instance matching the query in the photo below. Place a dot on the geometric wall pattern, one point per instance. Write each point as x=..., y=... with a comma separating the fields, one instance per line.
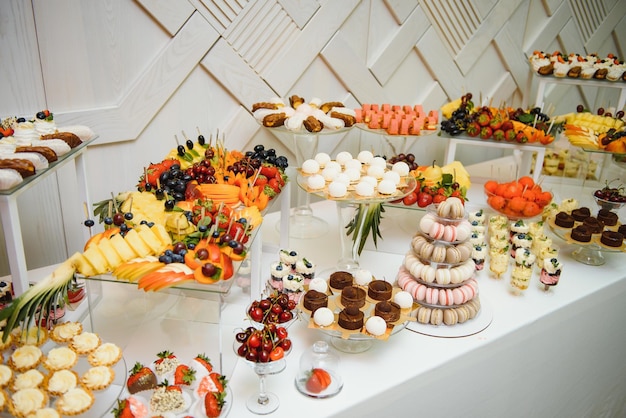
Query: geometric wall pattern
x=139, y=71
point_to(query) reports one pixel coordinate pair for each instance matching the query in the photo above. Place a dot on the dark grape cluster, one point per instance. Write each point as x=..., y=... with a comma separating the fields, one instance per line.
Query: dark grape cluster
x=174, y=255
x=460, y=118
x=246, y=165
x=173, y=184
x=203, y=172
x=268, y=156
x=529, y=117
x=407, y=158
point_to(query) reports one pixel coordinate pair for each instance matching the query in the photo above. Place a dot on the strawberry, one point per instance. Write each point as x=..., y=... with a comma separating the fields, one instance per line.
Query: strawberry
x=509, y=135
x=141, y=378
x=498, y=135
x=485, y=132
x=123, y=409
x=213, y=404
x=219, y=380
x=319, y=379
x=205, y=361
x=184, y=375
x=473, y=129
x=164, y=355
x=483, y=119
x=170, y=388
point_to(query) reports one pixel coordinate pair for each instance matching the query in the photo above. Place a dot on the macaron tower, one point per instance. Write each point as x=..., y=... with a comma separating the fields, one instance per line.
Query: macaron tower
x=438, y=271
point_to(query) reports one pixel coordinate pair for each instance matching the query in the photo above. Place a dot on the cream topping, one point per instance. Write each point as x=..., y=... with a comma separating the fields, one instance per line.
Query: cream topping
x=5, y=374
x=28, y=400
x=107, y=353
x=74, y=400
x=26, y=355
x=67, y=330
x=552, y=265
x=29, y=379
x=97, y=377
x=61, y=381
x=86, y=341
x=61, y=358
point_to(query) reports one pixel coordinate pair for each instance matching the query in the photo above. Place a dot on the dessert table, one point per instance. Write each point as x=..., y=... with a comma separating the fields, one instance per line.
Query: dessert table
x=556, y=353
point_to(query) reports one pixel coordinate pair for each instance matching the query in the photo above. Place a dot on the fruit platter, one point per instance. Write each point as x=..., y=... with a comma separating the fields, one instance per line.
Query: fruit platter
x=170, y=386
x=599, y=131
x=188, y=224
x=505, y=124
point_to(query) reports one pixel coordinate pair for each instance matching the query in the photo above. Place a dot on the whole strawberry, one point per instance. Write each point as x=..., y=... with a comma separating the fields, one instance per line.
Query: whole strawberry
x=213, y=404
x=141, y=378
x=184, y=375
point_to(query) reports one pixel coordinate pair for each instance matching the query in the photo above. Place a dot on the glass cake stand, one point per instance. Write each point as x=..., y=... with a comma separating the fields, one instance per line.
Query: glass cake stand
x=302, y=223
x=354, y=214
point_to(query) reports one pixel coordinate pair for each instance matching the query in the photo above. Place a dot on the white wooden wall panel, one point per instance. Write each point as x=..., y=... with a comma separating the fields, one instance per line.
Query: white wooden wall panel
x=141, y=71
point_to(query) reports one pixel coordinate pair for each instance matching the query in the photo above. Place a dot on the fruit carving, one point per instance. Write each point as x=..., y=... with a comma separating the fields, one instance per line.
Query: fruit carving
x=318, y=380
x=263, y=345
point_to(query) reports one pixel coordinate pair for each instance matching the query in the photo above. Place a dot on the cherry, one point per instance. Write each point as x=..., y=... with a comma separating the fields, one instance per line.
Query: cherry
x=118, y=219
x=243, y=350
x=202, y=254
x=580, y=108
x=209, y=269
x=263, y=356
x=285, y=316
x=265, y=304
x=241, y=337
x=600, y=111
x=277, y=309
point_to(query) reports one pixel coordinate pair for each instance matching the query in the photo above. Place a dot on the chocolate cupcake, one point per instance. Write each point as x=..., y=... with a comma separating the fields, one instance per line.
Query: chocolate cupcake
x=389, y=311
x=351, y=319
x=314, y=300
x=581, y=234
x=340, y=279
x=352, y=296
x=607, y=217
x=594, y=225
x=379, y=290
x=612, y=239
x=564, y=220
x=581, y=214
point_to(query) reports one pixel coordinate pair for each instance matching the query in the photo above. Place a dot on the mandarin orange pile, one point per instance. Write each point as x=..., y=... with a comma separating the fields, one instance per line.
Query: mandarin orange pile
x=521, y=198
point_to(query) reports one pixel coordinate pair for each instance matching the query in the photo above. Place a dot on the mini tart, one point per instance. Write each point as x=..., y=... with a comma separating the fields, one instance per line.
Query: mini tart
x=98, y=378
x=75, y=401
x=30, y=379
x=45, y=413
x=31, y=336
x=60, y=381
x=106, y=354
x=25, y=357
x=6, y=375
x=27, y=401
x=60, y=358
x=85, y=342
x=64, y=332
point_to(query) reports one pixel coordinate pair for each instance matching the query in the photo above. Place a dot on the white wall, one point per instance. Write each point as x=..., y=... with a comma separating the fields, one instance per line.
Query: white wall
x=140, y=72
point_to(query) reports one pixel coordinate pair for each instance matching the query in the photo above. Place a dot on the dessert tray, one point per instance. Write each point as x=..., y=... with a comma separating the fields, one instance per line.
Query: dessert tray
x=104, y=399
x=565, y=234
x=406, y=186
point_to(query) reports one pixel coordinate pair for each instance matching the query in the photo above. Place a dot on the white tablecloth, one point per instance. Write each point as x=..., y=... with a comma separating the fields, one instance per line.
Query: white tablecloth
x=558, y=353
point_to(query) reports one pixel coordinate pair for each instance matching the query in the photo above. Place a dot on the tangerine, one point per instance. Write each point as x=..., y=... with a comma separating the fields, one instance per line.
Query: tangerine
x=543, y=198
x=531, y=209
x=517, y=204
x=526, y=181
x=496, y=202
x=490, y=186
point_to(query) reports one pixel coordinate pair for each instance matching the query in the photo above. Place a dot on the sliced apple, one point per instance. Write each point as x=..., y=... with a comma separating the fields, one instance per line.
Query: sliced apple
x=136, y=243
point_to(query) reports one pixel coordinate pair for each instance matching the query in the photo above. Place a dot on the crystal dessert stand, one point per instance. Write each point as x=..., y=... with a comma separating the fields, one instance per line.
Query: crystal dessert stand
x=303, y=224
x=347, y=208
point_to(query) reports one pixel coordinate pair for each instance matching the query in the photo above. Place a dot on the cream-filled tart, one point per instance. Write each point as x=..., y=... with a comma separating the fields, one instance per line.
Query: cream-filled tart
x=64, y=332
x=60, y=358
x=31, y=336
x=106, y=354
x=6, y=375
x=59, y=382
x=26, y=401
x=45, y=413
x=25, y=357
x=75, y=401
x=98, y=378
x=32, y=378
x=85, y=342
